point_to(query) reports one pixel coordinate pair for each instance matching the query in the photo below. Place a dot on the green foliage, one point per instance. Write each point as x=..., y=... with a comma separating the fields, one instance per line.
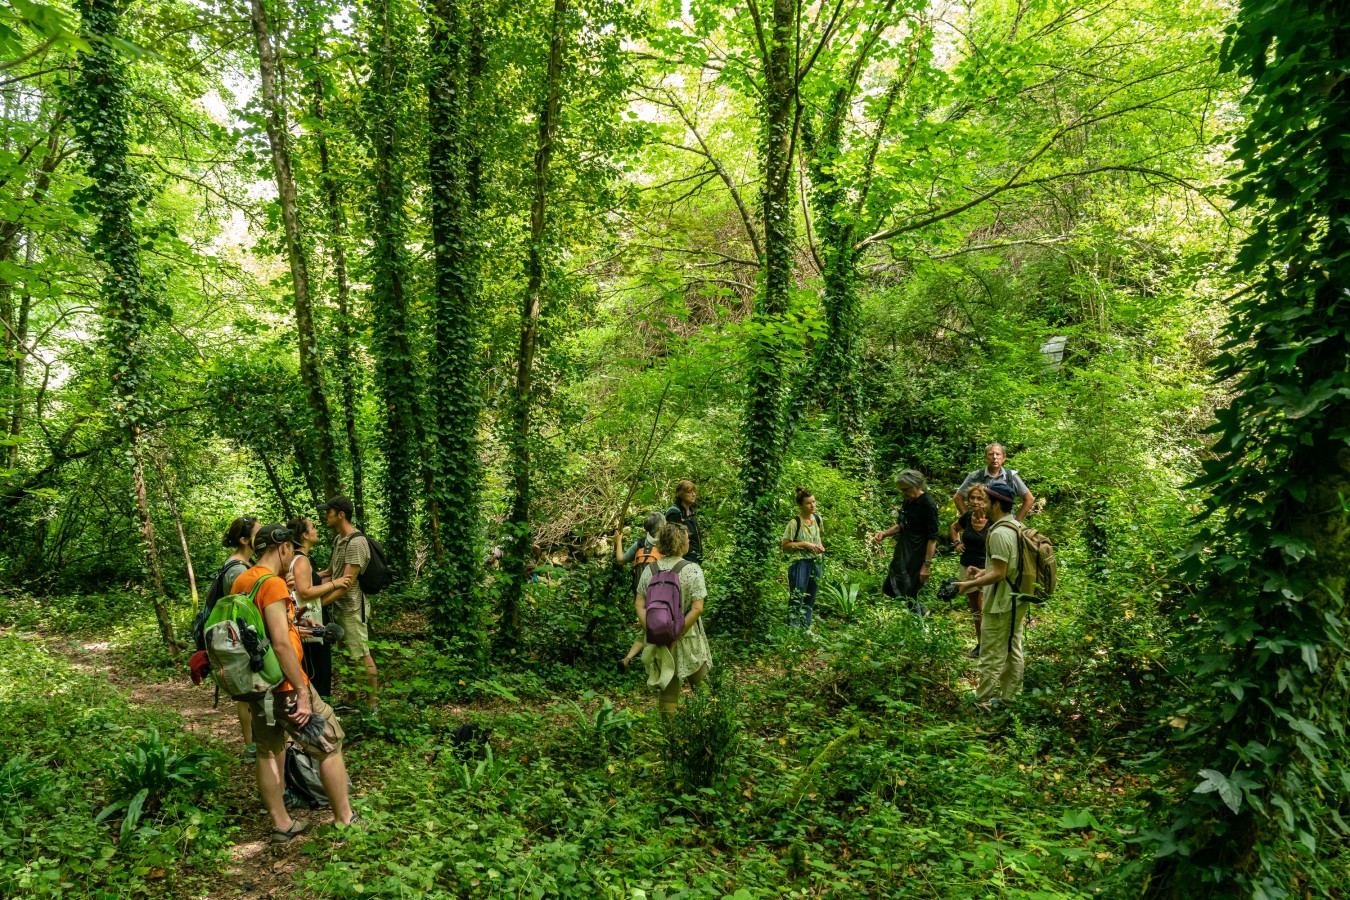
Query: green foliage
x=1269, y=738
x=841, y=598
x=50, y=842
x=702, y=742
x=149, y=775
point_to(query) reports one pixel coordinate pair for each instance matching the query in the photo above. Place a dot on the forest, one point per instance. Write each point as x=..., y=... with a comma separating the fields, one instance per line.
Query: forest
x=465, y=292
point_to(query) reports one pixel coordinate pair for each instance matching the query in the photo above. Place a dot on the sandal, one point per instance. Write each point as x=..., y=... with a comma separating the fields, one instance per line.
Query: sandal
x=286, y=835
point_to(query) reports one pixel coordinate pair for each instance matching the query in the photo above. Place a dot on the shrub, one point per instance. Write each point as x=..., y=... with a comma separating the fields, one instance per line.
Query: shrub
x=703, y=739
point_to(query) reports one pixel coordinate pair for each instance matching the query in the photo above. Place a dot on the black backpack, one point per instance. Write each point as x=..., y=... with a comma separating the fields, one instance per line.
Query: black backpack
x=213, y=593
x=377, y=575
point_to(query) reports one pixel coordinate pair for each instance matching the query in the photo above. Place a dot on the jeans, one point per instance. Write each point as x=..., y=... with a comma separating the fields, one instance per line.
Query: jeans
x=803, y=584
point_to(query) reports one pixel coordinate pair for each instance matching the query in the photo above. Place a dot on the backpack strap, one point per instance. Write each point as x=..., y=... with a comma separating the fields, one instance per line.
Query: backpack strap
x=797, y=521
x=678, y=567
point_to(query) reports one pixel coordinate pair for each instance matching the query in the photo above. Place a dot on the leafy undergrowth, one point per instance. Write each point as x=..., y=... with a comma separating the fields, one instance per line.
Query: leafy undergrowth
x=98, y=798
x=846, y=763
x=849, y=764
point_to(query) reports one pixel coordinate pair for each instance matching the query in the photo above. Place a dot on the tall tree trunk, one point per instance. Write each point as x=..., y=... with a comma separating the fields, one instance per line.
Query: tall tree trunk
x=277, y=139
x=102, y=131
x=763, y=446
x=457, y=63
x=395, y=366
x=520, y=548
x=345, y=352
x=19, y=365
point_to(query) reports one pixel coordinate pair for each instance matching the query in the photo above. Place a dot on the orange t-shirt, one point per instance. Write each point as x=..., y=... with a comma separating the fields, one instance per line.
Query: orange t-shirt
x=273, y=590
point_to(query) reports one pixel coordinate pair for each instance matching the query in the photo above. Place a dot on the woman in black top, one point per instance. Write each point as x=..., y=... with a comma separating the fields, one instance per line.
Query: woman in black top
x=969, y=534
x=916, y=531
x=682, y=513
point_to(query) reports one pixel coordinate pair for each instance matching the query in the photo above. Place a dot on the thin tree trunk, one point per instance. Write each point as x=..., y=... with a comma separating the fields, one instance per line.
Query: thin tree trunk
x=102, y=130
x=310, y=373
x=764, y=420
x=276, y=486
x=521, y=546
x=456, y=167
x=345, y=351
x=182, y=535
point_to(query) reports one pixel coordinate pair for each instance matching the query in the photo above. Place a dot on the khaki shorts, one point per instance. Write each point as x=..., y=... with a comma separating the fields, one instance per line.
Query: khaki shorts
x=271, y=739
x=355, y=634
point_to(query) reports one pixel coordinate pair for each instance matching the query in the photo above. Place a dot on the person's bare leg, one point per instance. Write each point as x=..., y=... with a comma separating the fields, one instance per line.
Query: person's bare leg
x=272, y=786
x=245, y=721
x=372, y=680
x=333, y=774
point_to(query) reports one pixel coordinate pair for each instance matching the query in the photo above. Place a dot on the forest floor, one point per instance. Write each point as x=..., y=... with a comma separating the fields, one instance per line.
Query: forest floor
x=257, y=868
x=853, y=766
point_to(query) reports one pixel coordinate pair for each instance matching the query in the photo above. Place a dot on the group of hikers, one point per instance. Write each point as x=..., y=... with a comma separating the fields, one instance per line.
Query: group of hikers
x=303, y=609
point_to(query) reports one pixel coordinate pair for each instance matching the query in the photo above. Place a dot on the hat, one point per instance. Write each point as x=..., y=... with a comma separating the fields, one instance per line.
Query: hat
x=341, y=504
x=270, y=536
x=1000, y=492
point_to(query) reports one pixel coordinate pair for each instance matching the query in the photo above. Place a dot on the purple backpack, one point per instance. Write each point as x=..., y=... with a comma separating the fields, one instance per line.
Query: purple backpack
x=665, y=609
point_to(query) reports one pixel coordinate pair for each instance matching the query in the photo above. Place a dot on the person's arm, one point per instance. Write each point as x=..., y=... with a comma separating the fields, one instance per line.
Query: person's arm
x=955, y=534
x=338, y=589
x=304, y=587
x=641, y=605
x=994, y=573
x=882, y=535
x=695, y=611
x=960, y=502
x=1027, y=500
x=278, y=632
x=928, y=558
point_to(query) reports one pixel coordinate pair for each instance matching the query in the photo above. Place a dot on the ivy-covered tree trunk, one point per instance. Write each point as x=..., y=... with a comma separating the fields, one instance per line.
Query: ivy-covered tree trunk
x=345, y=351
x=391, y=325
x=764, y=419
x=1269, y=737
x=520, y=546
x=284, y=174
x=456, y=164
x=18, y=365
x=99, y=101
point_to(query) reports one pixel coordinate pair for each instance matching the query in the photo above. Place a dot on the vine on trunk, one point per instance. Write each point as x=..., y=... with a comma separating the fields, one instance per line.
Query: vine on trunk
x=1267, y=741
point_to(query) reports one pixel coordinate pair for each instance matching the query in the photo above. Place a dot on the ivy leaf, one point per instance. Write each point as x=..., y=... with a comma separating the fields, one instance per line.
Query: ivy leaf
x=1215, y=780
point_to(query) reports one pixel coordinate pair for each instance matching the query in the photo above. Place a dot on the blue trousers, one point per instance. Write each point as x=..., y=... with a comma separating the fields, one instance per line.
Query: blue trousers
x=803, y=584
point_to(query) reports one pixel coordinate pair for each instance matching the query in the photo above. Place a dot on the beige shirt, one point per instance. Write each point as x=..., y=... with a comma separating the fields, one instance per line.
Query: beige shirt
x=1002, y=543
x=352, y=550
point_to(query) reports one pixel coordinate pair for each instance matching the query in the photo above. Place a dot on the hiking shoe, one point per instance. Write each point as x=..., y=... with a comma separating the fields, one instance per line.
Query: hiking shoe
x=286, y=835
x=975, y=654
x=250, y=755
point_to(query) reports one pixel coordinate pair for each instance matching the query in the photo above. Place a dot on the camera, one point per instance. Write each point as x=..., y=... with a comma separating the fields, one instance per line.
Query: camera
x=948, y=590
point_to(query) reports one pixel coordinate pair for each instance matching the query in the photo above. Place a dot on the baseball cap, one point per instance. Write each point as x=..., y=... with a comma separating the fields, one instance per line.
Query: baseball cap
x=341, y=504
x=1000, y=492
x=270, y=536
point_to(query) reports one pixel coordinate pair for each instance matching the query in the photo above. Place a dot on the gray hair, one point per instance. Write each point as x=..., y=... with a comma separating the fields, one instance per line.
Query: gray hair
x=989, y=447
x=652, y=524
x=911, y=478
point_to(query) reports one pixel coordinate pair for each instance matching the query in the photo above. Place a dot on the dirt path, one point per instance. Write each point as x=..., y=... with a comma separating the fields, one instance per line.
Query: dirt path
x=257, y=868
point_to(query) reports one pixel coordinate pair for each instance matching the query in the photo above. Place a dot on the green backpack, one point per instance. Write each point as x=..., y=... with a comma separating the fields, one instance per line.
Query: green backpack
x=243, y=662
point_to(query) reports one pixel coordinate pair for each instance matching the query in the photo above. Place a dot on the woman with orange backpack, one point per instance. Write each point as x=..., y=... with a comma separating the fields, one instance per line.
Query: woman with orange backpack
x=642, y=552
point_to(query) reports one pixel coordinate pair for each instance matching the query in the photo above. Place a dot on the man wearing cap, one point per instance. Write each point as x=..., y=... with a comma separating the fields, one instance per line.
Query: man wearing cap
x=293, y=706
x=1001, y=662
x=996, y=473
x=351, y=555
